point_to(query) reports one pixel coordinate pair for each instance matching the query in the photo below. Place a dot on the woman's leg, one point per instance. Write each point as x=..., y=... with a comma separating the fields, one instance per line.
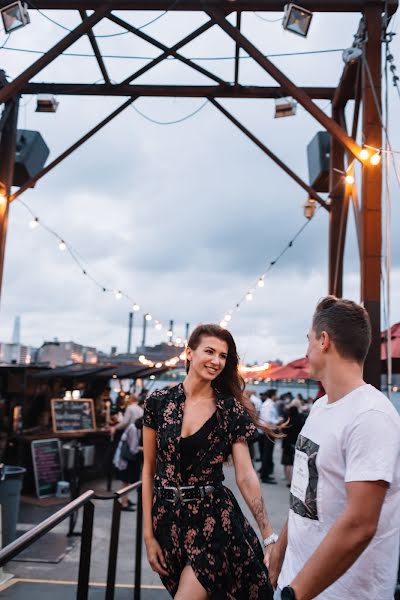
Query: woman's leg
x=190, y=587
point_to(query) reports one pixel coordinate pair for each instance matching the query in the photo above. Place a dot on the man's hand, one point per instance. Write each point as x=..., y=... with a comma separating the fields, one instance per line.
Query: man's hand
x=275, y=564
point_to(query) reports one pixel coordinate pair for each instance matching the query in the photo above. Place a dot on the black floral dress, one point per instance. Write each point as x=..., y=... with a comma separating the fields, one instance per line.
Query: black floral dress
x=210, y=534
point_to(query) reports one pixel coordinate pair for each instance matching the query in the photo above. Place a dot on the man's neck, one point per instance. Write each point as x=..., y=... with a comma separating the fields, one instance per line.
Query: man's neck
x=341, y=378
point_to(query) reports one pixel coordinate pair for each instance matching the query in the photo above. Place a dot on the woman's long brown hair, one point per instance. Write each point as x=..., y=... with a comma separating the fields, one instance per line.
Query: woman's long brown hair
x=229, y=382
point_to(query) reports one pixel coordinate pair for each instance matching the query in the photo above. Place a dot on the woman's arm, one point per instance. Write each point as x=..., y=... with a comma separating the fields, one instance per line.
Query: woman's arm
x=154, y=553
x=249, y=486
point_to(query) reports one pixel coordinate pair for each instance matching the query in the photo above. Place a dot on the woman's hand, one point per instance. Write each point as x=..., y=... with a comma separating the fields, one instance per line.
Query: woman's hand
x=155, y=557
x=274, y=564
x=267, y=555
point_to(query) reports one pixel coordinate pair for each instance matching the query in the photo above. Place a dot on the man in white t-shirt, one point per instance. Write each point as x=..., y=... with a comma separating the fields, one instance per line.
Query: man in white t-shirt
x=341, y=541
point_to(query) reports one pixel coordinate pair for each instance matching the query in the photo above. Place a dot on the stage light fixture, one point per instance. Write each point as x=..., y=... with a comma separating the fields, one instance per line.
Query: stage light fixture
x=297, y=19
x=285, y=107
x=309, y=208
x=46, y=103
x=15, y=15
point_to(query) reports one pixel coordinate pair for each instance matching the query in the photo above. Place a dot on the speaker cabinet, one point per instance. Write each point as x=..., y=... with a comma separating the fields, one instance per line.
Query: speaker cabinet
x=318, y=155
x=31, y=155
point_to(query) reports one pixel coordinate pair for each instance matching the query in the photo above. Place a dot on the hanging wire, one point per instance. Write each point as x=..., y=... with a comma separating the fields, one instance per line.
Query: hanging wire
x=170, y=122
x=267, y=20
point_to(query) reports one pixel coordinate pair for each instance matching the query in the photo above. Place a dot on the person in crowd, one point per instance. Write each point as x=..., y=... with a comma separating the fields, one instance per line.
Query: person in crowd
x=132, y=412
x=197, y=538
x=128, y=460
x=295, y=423
x=341, y=540
x=251, y=396
x=269, y=416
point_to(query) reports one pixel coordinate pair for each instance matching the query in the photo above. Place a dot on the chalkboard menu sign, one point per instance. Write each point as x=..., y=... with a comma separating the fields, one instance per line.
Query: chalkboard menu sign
x=47, y=466
x=73, y=415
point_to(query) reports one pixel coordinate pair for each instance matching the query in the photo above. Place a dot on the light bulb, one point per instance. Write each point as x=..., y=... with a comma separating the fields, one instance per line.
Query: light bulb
x=249, y=296
x=158, y=325
x=227, y=317
x=223, y=324
x=34, y=223
x=62, y=245
x=261, y=282
x=2, y=199
x=136, y=307
x=148, y=317
x=375, y=159
x=349, y=179
x=364, y=154
x=170, y=334
x=118, y=295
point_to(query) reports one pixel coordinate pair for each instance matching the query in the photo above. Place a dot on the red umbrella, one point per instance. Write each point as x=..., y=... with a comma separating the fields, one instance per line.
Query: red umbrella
x=297, y=369
x=395, y=338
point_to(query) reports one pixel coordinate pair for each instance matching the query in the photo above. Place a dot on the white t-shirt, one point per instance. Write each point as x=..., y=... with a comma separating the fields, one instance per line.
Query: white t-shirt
x=356, y=438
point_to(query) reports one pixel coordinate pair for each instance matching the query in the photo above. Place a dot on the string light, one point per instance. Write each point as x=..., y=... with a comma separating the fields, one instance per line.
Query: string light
x=148, y=317
x=118, y=295
x=158, y=325
x=223, y=324
x=136, y=307
x=62, y=246
x=364, y=154
x=375, y=159
x=261, y=282
x=249, y=296
x=34, y=223
x=350, y=179
x=227, y=317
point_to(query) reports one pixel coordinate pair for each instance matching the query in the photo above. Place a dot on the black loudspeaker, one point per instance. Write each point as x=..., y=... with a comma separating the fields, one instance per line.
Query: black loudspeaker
x=31, y=155
x=318, y=155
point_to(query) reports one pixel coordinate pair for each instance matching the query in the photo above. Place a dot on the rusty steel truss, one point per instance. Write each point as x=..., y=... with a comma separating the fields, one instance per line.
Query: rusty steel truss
x=360, y=82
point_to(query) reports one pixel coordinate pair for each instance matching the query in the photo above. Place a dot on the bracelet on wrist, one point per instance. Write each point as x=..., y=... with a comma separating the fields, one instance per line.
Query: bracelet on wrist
x=271, y=539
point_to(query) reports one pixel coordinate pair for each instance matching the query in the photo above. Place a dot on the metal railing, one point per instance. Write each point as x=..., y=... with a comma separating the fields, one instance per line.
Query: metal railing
x=85, y=501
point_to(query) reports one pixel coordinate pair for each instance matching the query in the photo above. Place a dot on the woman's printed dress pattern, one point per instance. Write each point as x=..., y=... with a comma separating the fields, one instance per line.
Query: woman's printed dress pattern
x=211, y=534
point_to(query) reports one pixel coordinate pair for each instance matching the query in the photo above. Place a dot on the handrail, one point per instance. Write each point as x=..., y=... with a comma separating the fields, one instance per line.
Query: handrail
x=37, y=532
x=85, y=501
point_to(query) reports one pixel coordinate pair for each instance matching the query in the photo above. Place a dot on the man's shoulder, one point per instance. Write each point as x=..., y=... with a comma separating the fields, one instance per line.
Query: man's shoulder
x=369, y=398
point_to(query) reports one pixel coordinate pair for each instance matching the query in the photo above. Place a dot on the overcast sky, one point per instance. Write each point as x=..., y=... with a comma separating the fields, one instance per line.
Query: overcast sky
x=181, y=217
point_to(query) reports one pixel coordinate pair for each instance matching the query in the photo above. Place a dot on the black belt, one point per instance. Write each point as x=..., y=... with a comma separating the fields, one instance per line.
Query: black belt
x=185, y=493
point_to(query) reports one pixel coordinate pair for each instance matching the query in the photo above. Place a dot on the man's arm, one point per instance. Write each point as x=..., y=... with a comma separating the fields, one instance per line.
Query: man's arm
x=345, y=541
x=278, y=555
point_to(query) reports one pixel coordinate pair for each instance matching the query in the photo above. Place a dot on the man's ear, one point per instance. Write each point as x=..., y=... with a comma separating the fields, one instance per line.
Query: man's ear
x=325, y=341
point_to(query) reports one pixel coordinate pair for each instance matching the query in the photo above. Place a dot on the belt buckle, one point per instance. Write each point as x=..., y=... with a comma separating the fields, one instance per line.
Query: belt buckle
x=176, y=493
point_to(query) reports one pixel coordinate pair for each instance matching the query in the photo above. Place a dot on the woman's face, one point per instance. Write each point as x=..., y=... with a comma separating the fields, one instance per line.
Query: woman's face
x=209, y=358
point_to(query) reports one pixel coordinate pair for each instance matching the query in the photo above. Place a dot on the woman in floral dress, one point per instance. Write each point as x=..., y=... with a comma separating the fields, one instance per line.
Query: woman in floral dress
x=196, y=536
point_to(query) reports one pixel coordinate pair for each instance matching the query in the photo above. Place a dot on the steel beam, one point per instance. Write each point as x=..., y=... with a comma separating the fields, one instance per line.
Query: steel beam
x=170, y=91
x=371, y=204
x=15, y=86
x=7, y=161
x=166, y=51
x=96, y=50
x=310, y=191
x=345, y=6
x=237, y=49
x=329, y=124
x=69, y=151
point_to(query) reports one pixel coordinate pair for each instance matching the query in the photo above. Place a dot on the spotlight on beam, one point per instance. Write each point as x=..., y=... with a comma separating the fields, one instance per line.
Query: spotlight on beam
x=15, y=15
x=46, y=103
x=309, y=208
x=297, y=19
x=285, y=107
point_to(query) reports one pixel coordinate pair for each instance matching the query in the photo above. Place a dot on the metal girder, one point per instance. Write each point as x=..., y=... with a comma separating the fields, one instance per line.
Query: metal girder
x=200, y=5
x=166, y=51
x=329, y=124
x=312, y=193
x=237, y=49
x=13, y=88
x=96, y=50
x=71, y=149
x=173, y=91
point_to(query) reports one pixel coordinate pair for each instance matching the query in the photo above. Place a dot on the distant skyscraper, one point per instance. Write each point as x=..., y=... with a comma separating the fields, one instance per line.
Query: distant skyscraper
x=16, y=338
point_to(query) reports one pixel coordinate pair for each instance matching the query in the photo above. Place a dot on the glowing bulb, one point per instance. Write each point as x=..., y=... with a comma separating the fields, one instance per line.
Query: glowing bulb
x=158, y=365
x=349, y=179
x=178, y=340
x=223, y=324
x=227, y=317
x=136, y=307
x=170, y=334
x=62, y=245
x=249, y=296
x=375, y=159
x=118, y=295
x=2, y=199
x=158, y=325
x=34, y=223
x=364, y=154
x=148, y=317
x=261, y=282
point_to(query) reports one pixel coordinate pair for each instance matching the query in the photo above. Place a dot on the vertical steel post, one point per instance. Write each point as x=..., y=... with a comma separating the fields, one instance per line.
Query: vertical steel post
x=86, y=552
x=371, y=203
x=337, y=188
x=8, y=138
x=130, y=327
x=113, y=551
x=138, y=549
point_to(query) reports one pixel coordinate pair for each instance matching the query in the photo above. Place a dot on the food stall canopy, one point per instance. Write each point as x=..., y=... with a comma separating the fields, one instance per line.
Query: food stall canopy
x=296, y=369
x=107, y=371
